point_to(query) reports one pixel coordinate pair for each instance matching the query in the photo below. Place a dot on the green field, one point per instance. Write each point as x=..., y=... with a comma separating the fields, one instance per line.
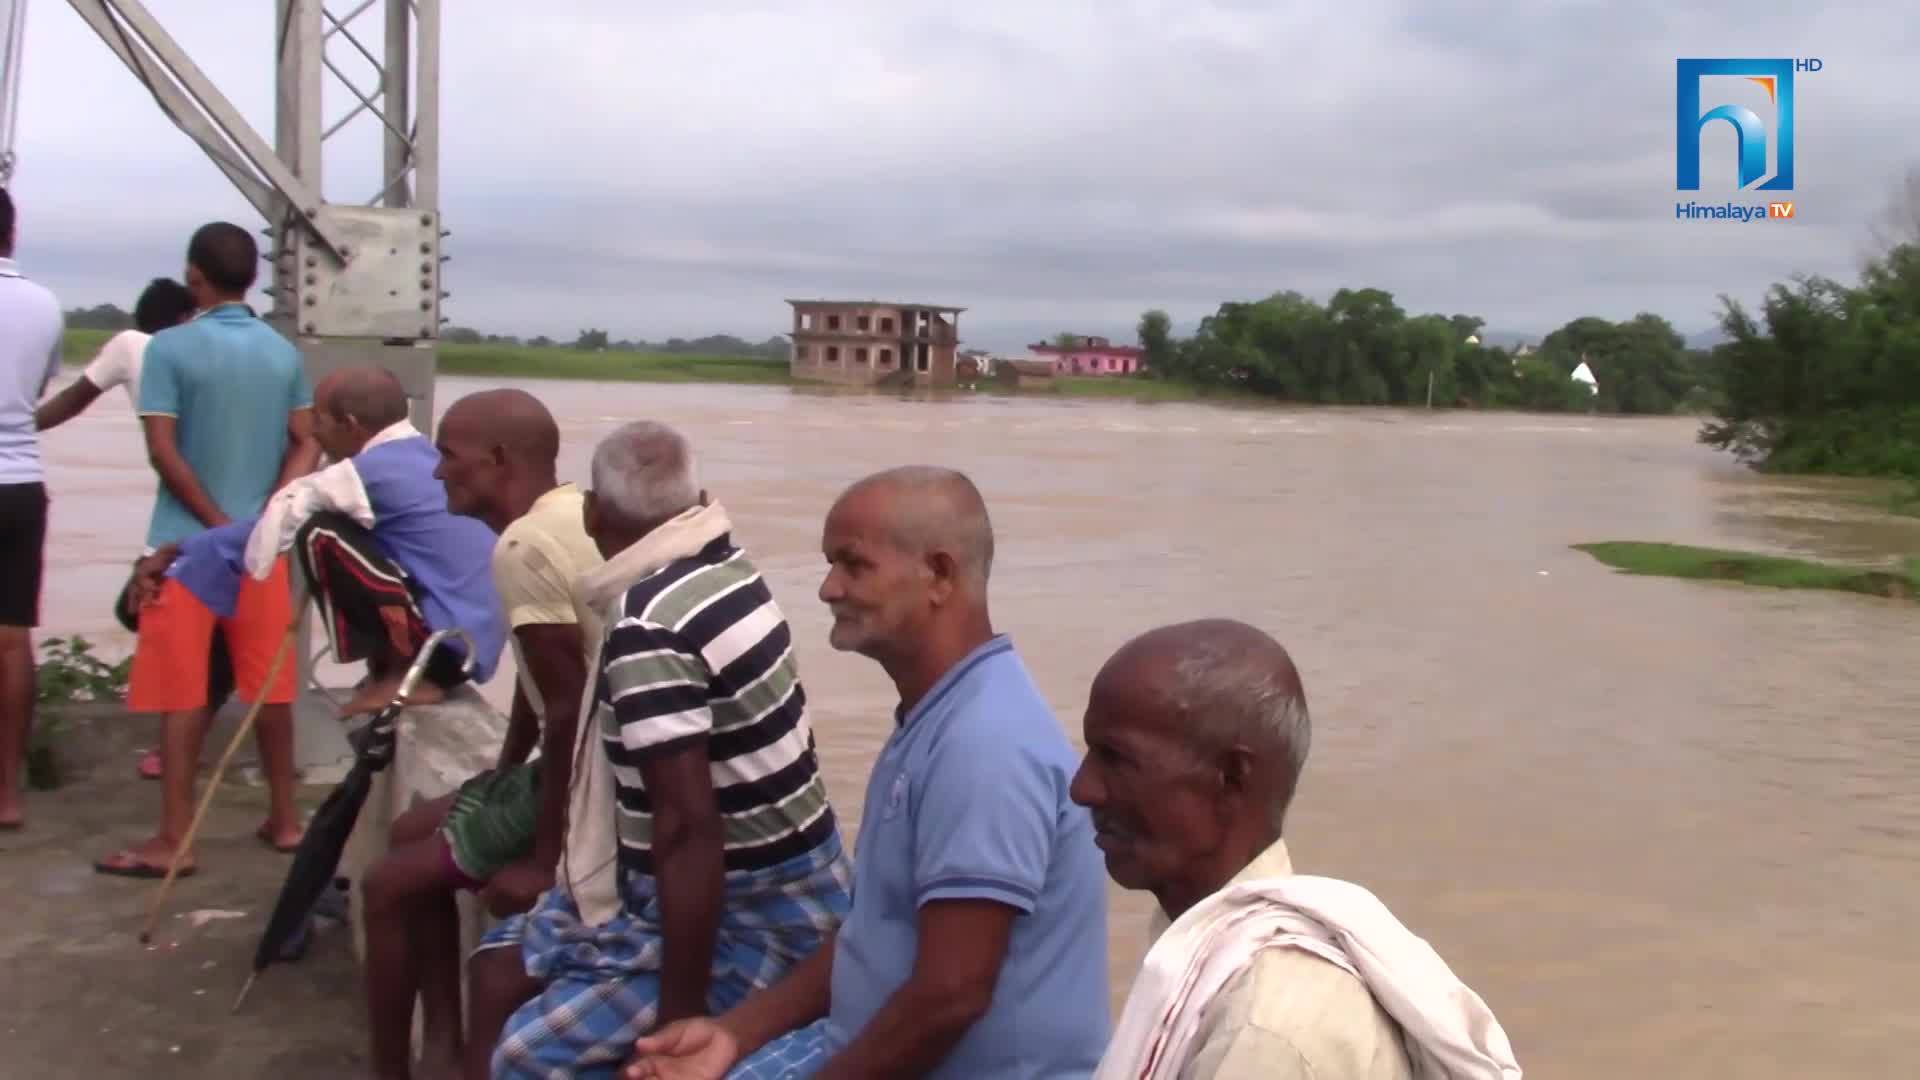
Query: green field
x=554, y=362
x=1712, y=564
x=561, y=362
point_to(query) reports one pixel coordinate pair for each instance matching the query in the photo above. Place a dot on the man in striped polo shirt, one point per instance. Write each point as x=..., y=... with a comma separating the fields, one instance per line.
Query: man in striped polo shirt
x=702, y=859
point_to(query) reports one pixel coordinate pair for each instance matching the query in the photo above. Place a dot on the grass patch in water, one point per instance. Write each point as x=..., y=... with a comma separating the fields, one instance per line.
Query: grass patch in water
x=1772, y=571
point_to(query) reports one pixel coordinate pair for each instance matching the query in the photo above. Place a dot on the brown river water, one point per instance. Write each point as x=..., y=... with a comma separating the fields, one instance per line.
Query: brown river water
x=1665, y=828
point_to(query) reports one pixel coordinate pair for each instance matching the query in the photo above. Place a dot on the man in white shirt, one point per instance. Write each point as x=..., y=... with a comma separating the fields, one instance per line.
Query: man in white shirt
x=31, y=329
x=163, y=303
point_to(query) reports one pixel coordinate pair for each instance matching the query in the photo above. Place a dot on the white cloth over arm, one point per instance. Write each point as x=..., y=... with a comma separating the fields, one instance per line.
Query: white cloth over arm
x=1449, y=1032
x=336, y=488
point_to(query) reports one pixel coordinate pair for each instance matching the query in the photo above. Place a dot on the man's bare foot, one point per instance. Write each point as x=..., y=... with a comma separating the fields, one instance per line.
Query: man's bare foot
x=282, y=838
x=147, y=859
x=377, y=693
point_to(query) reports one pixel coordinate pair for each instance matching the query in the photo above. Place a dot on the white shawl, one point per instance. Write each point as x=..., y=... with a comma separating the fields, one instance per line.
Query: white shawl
x=588, y=863
x=1450, y=1034
x=337, y=487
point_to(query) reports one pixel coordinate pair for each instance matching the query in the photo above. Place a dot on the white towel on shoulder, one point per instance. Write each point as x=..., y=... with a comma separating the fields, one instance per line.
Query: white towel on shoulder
x=588, y=869
x=1450, y=1034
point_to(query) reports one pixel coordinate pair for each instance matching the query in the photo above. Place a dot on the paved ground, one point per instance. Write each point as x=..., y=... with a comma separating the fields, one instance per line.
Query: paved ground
x=84, y=998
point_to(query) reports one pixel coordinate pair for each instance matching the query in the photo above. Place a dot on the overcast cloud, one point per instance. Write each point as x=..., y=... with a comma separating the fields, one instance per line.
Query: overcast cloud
x=681, y=169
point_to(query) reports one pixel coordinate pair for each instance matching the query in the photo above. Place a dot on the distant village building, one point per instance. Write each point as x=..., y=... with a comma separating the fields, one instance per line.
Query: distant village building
x=1090, y=356
x=1030, y=374
x=862, y=342
x=973, y=364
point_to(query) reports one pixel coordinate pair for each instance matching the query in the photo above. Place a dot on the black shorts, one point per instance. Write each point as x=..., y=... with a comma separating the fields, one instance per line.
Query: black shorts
x=23, y=542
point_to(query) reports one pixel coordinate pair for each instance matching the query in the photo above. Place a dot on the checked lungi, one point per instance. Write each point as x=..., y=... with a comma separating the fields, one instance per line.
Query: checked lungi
x=366, y=600
x=602, y=984
x=794, y=1056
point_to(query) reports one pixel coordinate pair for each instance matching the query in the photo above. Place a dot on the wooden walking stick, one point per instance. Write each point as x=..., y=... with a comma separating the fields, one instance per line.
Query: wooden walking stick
x=219, y=770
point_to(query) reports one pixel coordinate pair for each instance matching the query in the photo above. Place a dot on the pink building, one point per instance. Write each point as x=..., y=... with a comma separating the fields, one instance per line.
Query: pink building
x=1090, y=356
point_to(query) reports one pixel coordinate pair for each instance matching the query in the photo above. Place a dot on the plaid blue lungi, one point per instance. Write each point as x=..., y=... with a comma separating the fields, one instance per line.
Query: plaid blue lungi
x=794, y=1056
x=603, y=984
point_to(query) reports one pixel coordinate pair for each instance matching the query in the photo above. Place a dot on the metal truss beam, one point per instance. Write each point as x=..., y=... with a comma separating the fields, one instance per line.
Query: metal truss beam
x=341, y=270
x=198, y=107
x=15, y=29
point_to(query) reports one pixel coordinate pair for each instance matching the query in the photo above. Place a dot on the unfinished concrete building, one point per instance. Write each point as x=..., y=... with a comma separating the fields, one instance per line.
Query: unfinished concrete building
x=864, y=342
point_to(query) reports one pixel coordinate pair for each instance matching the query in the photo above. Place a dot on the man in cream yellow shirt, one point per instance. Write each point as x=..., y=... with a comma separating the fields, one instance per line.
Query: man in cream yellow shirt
x=500, y=834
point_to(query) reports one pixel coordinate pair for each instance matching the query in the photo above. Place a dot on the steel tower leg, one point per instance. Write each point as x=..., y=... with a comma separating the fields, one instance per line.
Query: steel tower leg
x=351, y=282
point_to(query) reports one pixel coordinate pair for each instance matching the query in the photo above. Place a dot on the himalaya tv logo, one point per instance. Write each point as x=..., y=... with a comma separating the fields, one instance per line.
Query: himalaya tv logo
x=1760, y=121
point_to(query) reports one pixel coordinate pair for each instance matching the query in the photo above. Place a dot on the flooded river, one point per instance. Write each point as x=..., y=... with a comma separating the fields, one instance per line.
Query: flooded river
x=1667, y=829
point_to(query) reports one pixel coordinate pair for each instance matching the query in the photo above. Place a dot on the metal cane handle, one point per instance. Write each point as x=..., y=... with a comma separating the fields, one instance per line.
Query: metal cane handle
x=418, y=670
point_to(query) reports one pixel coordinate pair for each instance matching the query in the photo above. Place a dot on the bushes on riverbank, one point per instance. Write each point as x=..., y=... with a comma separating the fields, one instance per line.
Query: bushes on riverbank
x=1361, y=348
x=1827, y=379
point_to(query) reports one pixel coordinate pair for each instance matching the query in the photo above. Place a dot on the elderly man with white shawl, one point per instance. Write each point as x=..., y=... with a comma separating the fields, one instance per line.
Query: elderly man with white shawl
x=702, y=859
x=1196, y=735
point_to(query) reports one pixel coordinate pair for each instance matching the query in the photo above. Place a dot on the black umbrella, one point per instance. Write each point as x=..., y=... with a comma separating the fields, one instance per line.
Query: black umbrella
x=327, y=831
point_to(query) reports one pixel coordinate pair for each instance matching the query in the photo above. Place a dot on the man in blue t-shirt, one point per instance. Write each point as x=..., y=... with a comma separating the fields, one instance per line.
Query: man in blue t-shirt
x=224, y=399
x=976, y=945
x=228, y=415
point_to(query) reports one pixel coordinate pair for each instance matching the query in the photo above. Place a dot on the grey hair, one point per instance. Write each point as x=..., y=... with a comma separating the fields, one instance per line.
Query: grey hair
x=1235, y=694
x=645, y=472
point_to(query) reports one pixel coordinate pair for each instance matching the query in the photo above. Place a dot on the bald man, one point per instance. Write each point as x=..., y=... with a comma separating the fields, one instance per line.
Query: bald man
x=977, y=941
x=500, y=834
x=385, y=560
x=1196, y=736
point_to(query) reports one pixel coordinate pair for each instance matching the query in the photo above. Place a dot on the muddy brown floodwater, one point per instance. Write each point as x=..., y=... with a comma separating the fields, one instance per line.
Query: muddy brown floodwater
x=1666, y=828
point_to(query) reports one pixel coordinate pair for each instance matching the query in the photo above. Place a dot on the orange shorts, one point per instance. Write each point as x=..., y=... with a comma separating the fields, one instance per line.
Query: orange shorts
x=170, y=659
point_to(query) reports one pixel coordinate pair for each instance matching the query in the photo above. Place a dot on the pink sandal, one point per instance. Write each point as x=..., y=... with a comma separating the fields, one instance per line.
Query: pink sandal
x=150, y=765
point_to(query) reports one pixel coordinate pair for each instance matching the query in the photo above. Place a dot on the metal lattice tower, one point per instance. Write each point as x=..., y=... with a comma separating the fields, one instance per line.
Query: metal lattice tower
x=13, y=24
x=351, y=283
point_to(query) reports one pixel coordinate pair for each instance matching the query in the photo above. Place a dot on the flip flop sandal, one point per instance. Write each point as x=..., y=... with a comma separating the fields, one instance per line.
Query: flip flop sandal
x=127, y=864
x=150, y=765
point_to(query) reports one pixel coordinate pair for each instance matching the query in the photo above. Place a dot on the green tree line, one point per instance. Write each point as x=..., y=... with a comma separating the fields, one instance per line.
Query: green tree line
x=1827, y=378
x=1362, y=348
x=111, y=317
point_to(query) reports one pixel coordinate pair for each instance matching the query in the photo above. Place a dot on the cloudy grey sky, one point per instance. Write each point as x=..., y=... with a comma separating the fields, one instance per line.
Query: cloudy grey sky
x=678, y=169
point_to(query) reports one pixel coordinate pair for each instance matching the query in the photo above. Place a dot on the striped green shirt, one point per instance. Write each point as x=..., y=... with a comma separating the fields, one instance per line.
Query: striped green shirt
x=700, y=652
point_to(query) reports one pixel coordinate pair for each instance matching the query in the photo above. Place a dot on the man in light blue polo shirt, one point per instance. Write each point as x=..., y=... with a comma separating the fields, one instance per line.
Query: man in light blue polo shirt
x=228, y=415
x=225, y=400
x=976, y=945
